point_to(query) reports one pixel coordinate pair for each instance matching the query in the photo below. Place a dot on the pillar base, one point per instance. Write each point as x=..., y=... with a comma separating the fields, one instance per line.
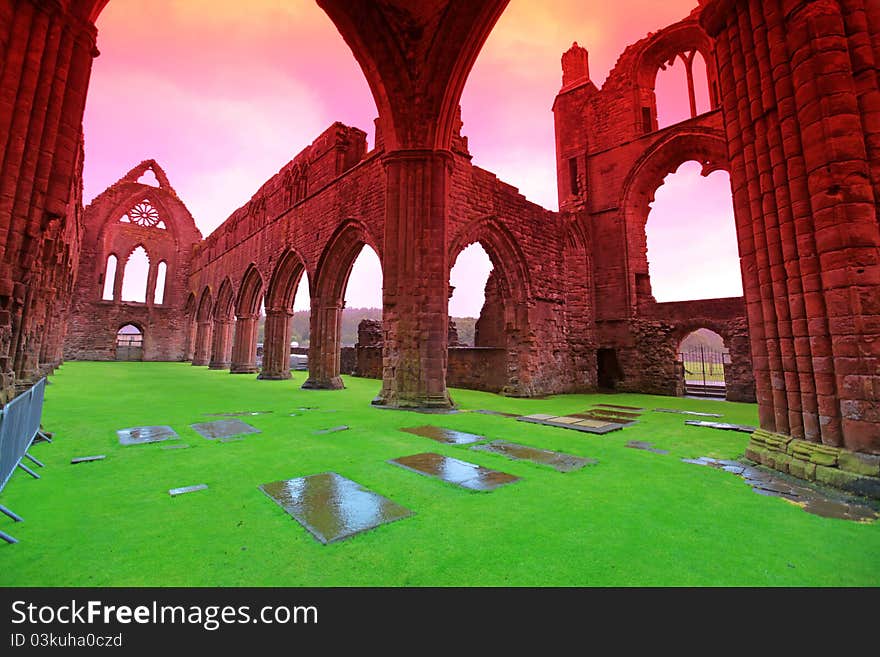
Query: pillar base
x=436, y=403
x=333, y=383
x=854, y=472
x=246, y=369
x=198, y=362
x=274, y=376
x=218, y=366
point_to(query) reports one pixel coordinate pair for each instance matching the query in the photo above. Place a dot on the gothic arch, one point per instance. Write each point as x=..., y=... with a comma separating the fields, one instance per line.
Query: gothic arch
x=706, y=146
x=504, y=252
x=224, y=307
x=221, y=344
x=285, y=280
x=249, y=293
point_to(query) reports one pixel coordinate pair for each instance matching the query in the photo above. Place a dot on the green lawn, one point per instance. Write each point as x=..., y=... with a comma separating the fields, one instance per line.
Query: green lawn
x=636, y=518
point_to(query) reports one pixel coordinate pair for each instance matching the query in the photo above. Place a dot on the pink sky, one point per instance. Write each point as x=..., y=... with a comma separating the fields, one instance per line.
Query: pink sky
x=223, y=97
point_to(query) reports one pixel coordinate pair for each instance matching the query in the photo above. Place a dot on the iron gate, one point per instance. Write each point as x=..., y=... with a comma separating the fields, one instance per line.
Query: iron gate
x=704, y=371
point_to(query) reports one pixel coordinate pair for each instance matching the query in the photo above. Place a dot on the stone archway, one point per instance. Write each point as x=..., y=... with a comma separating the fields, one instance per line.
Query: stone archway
x=328, y=292
x=279, y=312
x=202, y=351
x=247, y=314
x=221, y=345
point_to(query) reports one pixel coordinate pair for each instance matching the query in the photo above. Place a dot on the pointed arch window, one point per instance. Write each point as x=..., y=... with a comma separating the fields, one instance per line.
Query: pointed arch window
x=143, y=214
x=159, y=294
x=134, y=279
x=109, y=278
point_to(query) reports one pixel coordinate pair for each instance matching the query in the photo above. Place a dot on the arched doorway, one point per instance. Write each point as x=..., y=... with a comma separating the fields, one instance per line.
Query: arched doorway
x=702, y=358
x=130, y=343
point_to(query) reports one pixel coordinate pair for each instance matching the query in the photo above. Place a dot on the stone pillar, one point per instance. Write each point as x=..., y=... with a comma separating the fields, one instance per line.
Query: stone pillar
x=244, y=348
x=800, y=97
x=202, y=354
x=47, y=58
x=221, y=347
x=190, y=339
x=276, y=345
x=416, y=278
x=324, y=345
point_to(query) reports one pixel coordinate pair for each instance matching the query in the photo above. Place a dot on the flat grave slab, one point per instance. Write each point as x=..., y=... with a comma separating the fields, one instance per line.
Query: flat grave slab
x=461, y=473
x=342, y=427
x=237, y=413
x=825, y=503
x=696, y=413
x=557, y=460
x=604, y=418
x=648, y=447
x=448, y=436
x=576, y=423
x=88, y=459
x=143, y=435
x=724, y=426
x=626, y=408
x=484, y=411
x=174, y=492
x=223, y=428
x=332, y=507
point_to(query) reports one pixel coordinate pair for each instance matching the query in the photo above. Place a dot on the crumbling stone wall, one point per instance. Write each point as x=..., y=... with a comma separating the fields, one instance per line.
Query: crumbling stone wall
x=161, y=224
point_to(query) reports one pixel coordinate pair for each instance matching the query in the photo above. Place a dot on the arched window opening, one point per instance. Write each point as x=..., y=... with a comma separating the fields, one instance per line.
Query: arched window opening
x=143, y=214
x=148, y=177
x=109, y=278
x=159, y=294
x=691, y=237
x=363, y=294
x=468, y=277
x=302, y=306
x=703, y=355
x=682, y=89
x=134, y=280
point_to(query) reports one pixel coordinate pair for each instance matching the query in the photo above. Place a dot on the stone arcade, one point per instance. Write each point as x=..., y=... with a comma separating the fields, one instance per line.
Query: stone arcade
x=794, y=119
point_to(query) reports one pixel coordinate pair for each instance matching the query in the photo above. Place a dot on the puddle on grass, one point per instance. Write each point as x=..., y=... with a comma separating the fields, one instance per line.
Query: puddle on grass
x=332, y=507
x=237, y=413
x=223, y=428
x=628, y=408
x=461, y=473
x=725, y=426
x=342, y=427
x=448, y=436
x=557, y=460
x=142, y=435
x=648, y=447
x=823, y=503
x=680, y=412
x=484, y=411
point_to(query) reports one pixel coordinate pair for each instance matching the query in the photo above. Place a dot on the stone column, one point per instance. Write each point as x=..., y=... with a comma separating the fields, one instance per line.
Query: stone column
x=221, y=348
x=800, y=95
x=202, y=354
x=416, y=278
x=324, y=345
x=244, y=348
x=276, y=345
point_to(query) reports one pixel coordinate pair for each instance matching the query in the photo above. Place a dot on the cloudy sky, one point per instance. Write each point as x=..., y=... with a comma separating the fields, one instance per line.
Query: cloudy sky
x=224, y=96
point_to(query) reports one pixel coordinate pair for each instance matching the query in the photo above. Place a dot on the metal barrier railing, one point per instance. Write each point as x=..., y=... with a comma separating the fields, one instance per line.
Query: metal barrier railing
x=19, y=426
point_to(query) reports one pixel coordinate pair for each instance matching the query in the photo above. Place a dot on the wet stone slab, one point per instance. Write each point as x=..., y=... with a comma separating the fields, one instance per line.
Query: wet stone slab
x=88, y=459
x=626, y=408
x=448, y=436
x=557, y=460
x=174, y=492
x=724, y=426
x=342, y=427
x=570, y=422
x=461, y=473
x=825, y=503
x=332, y=507
x=483, y=411
x=648, y=447
x=236, y=414
x=605, y=417
x=143, y=435
x=223, y=428
x=695, y=413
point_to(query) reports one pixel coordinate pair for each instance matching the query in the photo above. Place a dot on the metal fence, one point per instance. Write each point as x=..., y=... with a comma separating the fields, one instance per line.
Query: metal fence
x=19, y=425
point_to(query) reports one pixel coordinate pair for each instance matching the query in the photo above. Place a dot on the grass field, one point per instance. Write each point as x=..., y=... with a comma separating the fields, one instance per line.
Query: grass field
x=636, y=518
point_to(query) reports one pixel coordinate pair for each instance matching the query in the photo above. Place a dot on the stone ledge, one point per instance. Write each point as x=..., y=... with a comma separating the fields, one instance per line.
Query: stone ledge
x=833, y=466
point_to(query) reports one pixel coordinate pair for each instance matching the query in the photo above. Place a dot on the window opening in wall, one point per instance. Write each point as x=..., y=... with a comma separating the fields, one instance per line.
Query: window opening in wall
x=109, y=278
